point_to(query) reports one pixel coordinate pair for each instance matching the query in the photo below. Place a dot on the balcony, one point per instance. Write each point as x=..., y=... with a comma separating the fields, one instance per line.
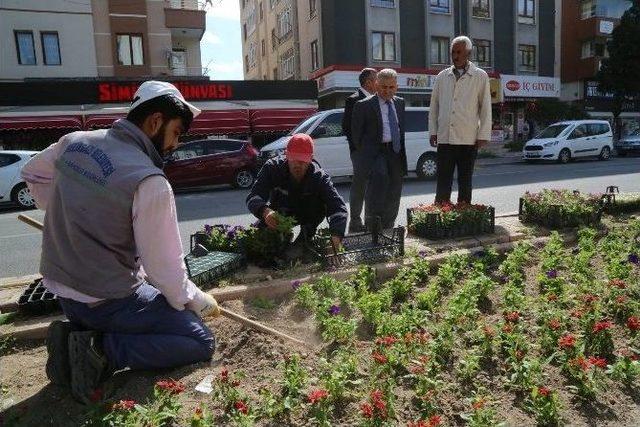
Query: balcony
x=185, y=18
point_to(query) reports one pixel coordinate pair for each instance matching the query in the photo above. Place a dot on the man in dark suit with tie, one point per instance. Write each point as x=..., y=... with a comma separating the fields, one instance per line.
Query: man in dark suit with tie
x=377, y=130
x=367, y=88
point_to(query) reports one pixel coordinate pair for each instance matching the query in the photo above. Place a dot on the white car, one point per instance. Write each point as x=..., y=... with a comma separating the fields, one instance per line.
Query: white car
x=12, y=187
x=331, y=148
x=564, y=141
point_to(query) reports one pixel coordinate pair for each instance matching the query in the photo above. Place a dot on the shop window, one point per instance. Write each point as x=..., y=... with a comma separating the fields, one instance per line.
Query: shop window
x=129, y=49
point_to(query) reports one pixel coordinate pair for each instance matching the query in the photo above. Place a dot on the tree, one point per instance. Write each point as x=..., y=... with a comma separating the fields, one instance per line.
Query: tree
x=548, y=111
x=619, y=72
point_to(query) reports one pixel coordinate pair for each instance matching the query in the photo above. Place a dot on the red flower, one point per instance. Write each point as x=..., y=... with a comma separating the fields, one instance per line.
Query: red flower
x=170, y=386
x=544, y=391
x=633, y=323
x=478, y=404
x=417, y=369
x=433, y=421
x=601, y=326
x=124, y=405
x=96, y=395
x=577, y=313
x=519, y=354
x=552, y=297
x=241, y=407
x=567, y=341
x=507, y=328
x=317, y=395
x=488, y=331
x=579, y=362
x=617, y=283
x=387, y=341
x=224, y=375
x=621, y=300
x=598, y=361
x=198, y=413
x=367, y=410
x=235, y=383
x=512, y=316
x=376, y=395
x=380, y=358
x=554, y=324
x=589, y=299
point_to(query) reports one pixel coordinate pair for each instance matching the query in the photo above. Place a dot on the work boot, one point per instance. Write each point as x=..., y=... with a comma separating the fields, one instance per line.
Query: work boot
x=58, y=369
x=89, y=366
x=356, y=226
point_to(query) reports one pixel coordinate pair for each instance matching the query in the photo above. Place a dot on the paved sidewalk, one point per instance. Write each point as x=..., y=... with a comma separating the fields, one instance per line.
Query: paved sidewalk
x=495, y=154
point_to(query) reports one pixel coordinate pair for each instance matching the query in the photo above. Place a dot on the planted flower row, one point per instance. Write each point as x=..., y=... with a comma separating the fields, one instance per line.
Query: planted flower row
x=561, y=208
x=447, y=220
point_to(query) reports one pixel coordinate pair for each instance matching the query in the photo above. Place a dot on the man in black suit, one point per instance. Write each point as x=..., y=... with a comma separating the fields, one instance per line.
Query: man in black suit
x=378, y=135
x=360, y=171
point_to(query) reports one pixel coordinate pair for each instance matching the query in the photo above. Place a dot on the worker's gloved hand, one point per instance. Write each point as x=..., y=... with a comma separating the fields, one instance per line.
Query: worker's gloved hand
x=270, y=219
x=204, y=305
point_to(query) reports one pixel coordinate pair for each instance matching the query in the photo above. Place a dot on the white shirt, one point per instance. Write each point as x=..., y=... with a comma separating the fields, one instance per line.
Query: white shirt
x=460, y=110
x=363, y=90
x=384, y=111
x=155, y=228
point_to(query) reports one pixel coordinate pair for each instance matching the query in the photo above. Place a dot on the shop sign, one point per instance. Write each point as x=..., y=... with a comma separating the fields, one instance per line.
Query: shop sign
x=530, y=86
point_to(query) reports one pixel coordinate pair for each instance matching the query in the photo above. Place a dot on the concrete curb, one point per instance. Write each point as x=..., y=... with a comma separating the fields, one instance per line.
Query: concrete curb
x=33, y=329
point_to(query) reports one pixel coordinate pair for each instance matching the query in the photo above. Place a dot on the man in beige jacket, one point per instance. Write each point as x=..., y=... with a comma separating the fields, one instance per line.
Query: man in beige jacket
x=459, y=120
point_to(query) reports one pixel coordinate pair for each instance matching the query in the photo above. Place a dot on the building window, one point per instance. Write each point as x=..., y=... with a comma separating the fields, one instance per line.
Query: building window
x=480, y=9
x=287, y=64
x=251, y=20
x=383, y=3
x=252, y=54
x=315, y=64
x=527, y=57
x=284, y=23
x=526, y=11
x=50, y=47
x=384, y=46
x=25, y=48
x=244, y=32
x=592, y=48
x=275, y=73
x=482, y=52
x=264, y=47
x=440, y=6
x=439, y=50
x=274, y=39
x=587, y=9
x=312, y=8
x=129, y=48
x=246, y=63
x=261, y=12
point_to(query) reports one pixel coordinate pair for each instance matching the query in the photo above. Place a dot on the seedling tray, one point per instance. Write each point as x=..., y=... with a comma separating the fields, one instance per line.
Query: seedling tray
x=360, y=248
x=209, y=268
x=434, y=228
x=37, y=300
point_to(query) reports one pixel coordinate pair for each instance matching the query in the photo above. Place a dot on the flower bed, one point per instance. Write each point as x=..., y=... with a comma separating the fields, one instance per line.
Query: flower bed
x=560, y=208
x=618, y=203
x=442, y=221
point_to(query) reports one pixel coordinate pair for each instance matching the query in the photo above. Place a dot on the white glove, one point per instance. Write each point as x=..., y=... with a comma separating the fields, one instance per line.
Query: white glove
x=204, y=305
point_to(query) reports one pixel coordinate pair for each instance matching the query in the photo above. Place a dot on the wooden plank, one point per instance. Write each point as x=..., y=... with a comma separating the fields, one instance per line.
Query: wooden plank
x=17, y=282
x=32, y=329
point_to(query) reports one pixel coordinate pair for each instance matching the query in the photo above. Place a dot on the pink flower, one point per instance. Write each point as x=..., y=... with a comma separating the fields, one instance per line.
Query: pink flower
x=124, y=405
x=317, y=395
x=567, y=341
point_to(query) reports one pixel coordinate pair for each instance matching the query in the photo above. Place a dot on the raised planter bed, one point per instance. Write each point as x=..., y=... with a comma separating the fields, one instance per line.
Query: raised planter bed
x=561, y=208
x=450, y=221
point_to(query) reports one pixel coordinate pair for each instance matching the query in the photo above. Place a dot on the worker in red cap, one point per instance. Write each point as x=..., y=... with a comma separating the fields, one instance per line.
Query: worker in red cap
x=295, y=185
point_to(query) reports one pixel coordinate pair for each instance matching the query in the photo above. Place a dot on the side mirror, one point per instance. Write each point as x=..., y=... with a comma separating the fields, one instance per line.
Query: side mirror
x=319, y=131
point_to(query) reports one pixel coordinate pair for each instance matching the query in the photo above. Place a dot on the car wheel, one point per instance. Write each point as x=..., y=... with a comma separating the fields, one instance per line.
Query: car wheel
x=22, y=196
x=605, y=153
x=427, y=166
x=243, y=179
x=564, y=156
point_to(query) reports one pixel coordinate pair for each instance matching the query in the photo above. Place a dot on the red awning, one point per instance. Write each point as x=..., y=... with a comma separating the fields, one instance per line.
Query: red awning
x=40, y=122
x=98, y=121
x=278, y=119
x=221, y=122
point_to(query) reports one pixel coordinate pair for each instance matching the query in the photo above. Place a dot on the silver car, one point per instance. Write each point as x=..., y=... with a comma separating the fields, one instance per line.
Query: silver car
x=629, y=143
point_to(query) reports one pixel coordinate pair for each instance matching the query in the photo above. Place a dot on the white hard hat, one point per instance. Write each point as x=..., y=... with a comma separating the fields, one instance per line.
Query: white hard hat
x=154, y=88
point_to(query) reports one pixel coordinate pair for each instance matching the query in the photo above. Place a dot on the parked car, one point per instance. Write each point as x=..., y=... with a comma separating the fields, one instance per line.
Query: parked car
x=564, y=141
x=629, y=143
x=12, y=187
x=212, y=161
x=332, y=149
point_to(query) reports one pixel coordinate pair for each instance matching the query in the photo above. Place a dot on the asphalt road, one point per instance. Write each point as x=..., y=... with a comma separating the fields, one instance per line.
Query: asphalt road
x=499, y=185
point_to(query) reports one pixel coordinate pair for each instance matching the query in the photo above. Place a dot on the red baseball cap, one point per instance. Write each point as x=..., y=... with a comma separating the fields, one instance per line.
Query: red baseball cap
x=300, y=148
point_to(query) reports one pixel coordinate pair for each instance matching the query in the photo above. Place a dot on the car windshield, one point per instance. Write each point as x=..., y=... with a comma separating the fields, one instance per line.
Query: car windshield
x=552, y=131
x=304, y=126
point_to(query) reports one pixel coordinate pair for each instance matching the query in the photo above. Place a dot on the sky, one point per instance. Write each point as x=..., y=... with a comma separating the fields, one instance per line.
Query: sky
x=221, y=45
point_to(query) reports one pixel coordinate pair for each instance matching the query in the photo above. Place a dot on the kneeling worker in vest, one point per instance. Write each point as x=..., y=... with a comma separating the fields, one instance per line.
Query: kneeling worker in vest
x=295, y=185
x=111, y=248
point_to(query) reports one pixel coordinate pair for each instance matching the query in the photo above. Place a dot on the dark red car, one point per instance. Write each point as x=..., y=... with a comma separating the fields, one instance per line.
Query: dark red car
x=212, y=161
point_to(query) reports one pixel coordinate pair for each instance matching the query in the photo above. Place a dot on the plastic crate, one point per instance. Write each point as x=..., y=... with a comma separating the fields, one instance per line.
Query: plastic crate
x=556, y=218
x=207, y=269
x=434, y=229
x=360, y=248
x=37, y=300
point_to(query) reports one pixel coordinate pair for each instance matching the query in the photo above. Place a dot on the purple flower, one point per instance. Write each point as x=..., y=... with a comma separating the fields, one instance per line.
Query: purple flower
x=231, y=235
x=208, y=229
x=296, y=284
x=633, y=259
x=552, y=274
x=423, y=254
x=334, y=310
x=504, y=279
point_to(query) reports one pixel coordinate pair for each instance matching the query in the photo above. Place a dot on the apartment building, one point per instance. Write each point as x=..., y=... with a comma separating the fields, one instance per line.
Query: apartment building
x=100, y=38
x=587, y=26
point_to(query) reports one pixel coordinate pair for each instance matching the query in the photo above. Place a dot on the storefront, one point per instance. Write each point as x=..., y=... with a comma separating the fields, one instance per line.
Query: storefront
x=599, y=105
x=520, y=94
x=34, y=114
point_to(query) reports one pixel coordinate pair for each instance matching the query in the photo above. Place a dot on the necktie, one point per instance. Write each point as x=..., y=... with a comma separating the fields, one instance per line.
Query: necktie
x=393, y=126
